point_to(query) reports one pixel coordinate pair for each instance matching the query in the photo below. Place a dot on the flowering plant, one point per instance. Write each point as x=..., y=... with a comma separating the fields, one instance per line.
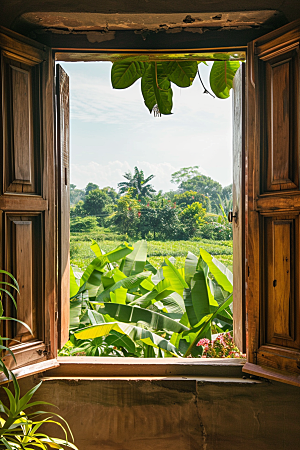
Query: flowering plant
x=221, y=347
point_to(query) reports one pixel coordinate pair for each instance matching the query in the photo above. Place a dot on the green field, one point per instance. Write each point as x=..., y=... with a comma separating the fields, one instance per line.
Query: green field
x=81, y=254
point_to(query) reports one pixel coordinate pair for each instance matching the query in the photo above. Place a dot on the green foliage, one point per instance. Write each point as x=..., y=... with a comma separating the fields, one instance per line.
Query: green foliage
x=184, y=174
x=156, y=78
x=189, y=197
x=206, y=186
x=83, y=224
x=95, y=202
x=76, y=194
x=221, y=77
x=192, y=217
x=20, y=429
x=90, y=187
x=130, y=311
x=137, y=185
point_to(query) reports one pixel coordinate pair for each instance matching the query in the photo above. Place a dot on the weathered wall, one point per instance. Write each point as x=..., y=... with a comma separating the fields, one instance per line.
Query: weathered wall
x=177, y=414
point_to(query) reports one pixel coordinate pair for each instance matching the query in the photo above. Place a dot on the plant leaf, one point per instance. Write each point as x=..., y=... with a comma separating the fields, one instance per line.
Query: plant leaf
x=221, y=77
x=125, y=73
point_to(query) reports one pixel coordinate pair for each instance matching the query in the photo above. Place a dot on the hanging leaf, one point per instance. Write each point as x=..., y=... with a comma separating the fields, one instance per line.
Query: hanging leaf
x=125, y=73
x=221, y=77
x=162, y=89
x=147, y=88
x=181, y=73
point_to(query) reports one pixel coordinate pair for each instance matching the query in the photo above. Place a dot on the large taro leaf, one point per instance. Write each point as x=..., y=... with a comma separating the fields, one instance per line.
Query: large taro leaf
x=131, y=282
x=125, y=73
x=133, y=314
x=221, y=77
x=136, y=260
x=181, y=73
x=221, y=273
x=134, y=332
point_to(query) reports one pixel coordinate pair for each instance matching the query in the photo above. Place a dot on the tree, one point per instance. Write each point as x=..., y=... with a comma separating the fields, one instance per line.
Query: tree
x=111, y=192
x=206, y=186
x=184, y=174
x=138, y=185
x=126, y=218
x=76, y=194
x=192, y=217
x=90, y=187
x=189, y=197
x=95, y=202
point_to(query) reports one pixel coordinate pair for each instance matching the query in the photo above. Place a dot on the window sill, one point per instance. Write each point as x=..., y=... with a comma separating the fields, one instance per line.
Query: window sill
x=88, y=367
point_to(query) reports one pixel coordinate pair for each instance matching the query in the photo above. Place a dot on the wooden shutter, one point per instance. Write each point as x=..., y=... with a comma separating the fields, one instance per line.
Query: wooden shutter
x=238, y=223
x=27, y=196
x=63, y=157
x=273, y=235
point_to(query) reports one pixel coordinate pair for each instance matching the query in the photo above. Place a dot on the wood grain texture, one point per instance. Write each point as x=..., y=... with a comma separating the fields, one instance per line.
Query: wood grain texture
x=273, y=226
x=238, y=194
x=24, y=275
x=27, y=195
x=63, y=147
x=280, y=123
x=253, y=275
x=22, y=139
x=21, y=126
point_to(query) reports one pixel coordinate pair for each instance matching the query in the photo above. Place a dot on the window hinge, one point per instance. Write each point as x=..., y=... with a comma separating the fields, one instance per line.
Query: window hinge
x=255, y=356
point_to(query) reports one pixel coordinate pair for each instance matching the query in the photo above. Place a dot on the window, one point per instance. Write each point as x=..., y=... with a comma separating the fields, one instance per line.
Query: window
x=271, y=226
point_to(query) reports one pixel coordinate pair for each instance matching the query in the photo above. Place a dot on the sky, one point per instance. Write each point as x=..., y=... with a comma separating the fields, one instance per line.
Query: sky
x=112, y=130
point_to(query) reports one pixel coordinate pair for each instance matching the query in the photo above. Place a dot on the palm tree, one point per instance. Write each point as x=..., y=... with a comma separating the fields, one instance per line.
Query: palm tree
x=137, y=184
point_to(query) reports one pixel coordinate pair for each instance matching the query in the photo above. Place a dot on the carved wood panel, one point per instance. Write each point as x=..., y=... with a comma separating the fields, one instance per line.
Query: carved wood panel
x=21, y=125
x=281, y=292
x=280, y=121
x=24, y=258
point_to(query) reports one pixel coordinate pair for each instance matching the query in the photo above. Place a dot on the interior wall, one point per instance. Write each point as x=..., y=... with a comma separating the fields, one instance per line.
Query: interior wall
x=177, y=414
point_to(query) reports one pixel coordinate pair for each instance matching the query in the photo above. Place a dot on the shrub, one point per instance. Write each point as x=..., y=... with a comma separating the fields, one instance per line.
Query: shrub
x=83, y=224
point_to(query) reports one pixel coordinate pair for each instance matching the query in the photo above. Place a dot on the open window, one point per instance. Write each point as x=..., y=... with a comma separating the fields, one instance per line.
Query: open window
x=34, y=201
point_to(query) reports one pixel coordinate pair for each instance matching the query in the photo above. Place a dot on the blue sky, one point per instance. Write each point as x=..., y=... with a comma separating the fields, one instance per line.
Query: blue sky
x=112, y=131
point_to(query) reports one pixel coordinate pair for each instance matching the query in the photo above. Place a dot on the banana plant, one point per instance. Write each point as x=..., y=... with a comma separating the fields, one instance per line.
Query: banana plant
x=156, y=78
x=130, y=311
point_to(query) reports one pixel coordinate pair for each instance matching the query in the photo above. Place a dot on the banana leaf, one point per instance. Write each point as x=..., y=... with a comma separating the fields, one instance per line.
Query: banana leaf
x=129, y=283
x=221, y=273
x=135, y=262
x=133, y=314
x=134, y=332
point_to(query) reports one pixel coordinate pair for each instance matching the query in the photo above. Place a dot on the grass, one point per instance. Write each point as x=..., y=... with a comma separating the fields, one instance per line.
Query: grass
x=81, y=254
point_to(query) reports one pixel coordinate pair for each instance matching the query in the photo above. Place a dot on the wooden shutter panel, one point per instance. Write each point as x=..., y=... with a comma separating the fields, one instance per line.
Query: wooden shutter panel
x=238, y=223
x=273, y=240
x=63, y=158
x=27, y=196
